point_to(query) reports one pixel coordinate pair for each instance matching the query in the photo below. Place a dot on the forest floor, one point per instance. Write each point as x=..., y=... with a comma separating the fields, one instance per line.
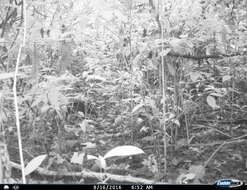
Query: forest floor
x=221, y=156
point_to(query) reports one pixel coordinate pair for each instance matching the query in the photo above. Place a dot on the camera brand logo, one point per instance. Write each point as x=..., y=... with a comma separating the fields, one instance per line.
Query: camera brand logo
x=6, y=187
x=229, y=183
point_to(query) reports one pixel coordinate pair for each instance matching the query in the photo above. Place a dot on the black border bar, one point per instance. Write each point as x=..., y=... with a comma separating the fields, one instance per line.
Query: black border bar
x=110, y=187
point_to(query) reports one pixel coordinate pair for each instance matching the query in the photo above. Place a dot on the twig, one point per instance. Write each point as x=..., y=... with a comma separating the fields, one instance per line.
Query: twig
x=164, y=88
x=37, y=11
x=240, y=137
x=214, y=153
x=213, y=128
x=237, y=121
x=207, y=144
x=15, y=96
x=216, y=143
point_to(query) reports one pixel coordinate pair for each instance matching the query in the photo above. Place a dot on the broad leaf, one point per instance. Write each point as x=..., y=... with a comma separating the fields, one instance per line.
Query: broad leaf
x=84, y=125
x=188, y=177
x=199, y=171
x=181, y=46
x=91, y=157
x=77, y=158
x=194, y=76
x=165, y=52
x=89, y=145
x=137, y=108
x=171, y=69
x=101, y=162
x=176, y=122
x=216, y=94
x=226, y=78
x=126, y=150
x=95, y=78
x=212, y=102
x=34, y=164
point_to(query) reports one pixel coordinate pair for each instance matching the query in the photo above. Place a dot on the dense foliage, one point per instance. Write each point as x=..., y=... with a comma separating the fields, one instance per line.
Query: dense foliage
x=168, y=77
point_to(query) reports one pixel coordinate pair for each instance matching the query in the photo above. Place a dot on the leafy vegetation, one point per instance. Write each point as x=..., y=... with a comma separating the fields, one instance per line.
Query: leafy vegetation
x=158, y=87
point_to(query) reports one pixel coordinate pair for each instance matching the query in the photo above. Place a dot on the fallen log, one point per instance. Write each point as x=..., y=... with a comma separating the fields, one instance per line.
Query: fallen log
x=89, y=174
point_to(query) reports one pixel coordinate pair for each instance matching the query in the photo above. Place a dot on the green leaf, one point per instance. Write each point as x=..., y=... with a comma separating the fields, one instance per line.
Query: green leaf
x=45, y=108
x=84, y=125
x=165, y=52
x=89, y=145
x=101, y=162
x=226, y=78
x=198, y=170
x=212, y=102
x=171, y=69
x=91, y=157
x=194, y=76
x=176, y=122
x=137, y=108
x=216, y=94
x=126, y=150
x=181, y=46
x=77, y=158
x=34, y=164
x=95, y=78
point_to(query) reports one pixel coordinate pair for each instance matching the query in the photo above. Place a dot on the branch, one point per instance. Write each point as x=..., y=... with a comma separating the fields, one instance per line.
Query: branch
x=218, y=56
x=232, y=141
x=4, y=22
x=214, y=153
x=157, y=17
x=11, y=17
x=39, y=13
